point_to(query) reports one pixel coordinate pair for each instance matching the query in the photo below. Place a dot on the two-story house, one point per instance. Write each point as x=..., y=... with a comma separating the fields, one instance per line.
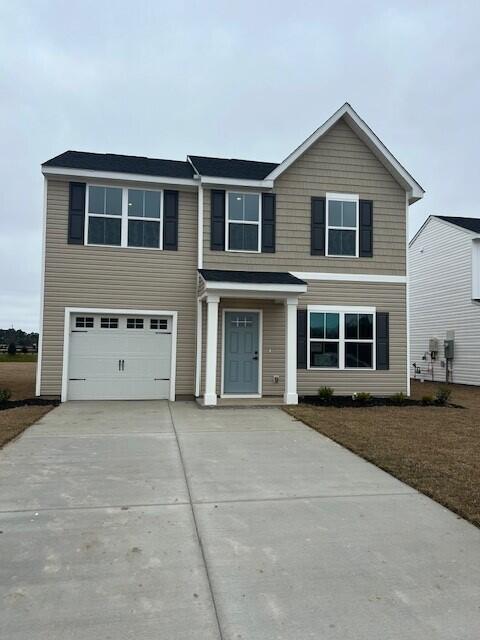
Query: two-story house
x=232, y=278
x=444, y=266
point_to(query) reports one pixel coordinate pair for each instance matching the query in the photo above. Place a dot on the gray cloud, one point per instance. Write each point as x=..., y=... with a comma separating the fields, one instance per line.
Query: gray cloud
x=248, y=79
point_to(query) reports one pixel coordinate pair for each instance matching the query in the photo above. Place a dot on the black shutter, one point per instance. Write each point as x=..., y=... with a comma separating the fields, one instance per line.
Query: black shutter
x=268, y=222
x=383, y=339
x=170, y=220
x=366, y=228
x=317, y=236
x=301, y=339
x=76, y=213
x=217, y=220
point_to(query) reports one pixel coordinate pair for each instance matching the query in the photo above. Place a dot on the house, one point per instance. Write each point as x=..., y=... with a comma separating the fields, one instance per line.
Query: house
x=223, y=277
x=444, y=263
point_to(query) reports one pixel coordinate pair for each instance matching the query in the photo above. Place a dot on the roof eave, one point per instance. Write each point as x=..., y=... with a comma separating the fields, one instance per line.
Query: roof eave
x=69, y=172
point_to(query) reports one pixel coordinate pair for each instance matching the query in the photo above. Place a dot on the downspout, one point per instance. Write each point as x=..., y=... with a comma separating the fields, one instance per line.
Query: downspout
x=407, y=294
x=42, y=292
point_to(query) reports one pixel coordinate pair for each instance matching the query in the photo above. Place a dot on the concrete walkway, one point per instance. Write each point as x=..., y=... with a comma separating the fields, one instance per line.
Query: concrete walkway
x=149, y=520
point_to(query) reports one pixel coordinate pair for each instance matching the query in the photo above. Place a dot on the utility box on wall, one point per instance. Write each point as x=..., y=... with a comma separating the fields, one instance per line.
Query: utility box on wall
x=448, y=348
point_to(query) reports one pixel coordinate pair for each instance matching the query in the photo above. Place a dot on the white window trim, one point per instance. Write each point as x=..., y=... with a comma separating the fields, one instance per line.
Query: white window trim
x=341, y=337
x=253, y=222
x=345, y=197
x=124, y=218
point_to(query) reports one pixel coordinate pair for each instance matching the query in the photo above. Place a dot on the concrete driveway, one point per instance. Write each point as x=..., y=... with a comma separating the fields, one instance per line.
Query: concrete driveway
x=142, y=520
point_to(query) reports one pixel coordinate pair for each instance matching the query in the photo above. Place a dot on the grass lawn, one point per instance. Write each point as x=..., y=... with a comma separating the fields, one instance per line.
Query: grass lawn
x=19, y=357
x=433, y=449
x=19, y=377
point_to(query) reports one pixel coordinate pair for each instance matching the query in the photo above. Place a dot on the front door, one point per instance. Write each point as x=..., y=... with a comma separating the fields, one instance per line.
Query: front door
x=241, y=352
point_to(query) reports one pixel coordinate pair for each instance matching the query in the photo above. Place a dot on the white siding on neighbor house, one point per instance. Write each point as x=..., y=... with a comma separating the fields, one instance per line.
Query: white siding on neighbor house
x=440, y=273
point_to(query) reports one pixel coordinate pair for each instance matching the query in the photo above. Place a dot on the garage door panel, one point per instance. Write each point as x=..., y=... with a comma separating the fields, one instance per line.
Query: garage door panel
x=119, y=363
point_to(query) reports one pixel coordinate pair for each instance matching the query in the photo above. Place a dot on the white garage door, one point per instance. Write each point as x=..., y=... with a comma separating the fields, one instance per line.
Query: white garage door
x=115, y=357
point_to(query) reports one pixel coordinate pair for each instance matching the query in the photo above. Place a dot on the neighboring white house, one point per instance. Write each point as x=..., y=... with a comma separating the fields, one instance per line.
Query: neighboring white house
x=444, y=277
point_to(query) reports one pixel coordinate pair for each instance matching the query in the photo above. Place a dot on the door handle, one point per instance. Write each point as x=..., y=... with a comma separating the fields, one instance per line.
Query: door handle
x=123, y=365
x=119, y=365
x=255, y=358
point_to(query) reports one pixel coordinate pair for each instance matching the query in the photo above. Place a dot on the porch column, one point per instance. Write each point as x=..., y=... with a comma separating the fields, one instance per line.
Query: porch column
x=210, y=398
x=290, y=396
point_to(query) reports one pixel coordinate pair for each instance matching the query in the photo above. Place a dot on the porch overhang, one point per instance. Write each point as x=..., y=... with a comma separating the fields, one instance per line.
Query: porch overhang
x=251, y=284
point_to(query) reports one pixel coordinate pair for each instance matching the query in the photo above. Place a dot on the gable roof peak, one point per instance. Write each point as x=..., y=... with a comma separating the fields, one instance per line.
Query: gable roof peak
x=373, y=142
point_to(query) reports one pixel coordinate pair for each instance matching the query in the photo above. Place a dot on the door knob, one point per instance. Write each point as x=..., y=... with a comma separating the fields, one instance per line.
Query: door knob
x=255, y=358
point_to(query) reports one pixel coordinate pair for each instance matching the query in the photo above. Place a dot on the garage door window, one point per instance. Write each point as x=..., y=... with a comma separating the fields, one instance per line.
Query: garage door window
x=82, y=322
x=134, y=323
x=109, y=323
x=159, y=324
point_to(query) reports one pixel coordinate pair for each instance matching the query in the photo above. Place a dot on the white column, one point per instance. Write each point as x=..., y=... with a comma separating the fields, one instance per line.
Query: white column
x=210, y=398
x=290, y=396
x=198, y=355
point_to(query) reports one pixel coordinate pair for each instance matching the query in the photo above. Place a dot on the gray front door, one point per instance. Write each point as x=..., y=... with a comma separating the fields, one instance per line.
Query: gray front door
x=241, y=352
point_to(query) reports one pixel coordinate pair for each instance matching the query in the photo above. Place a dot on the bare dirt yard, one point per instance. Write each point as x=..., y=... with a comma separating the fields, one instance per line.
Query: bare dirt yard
x=19, y=377
x=433, y=449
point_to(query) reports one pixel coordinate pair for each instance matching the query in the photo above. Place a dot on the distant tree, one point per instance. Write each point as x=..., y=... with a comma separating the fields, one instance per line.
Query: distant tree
x=12, y=349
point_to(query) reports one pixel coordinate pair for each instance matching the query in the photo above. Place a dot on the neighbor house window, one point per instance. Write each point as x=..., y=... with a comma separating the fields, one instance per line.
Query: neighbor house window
x=134, y=323
x=342, y=225
x=82, y=322
x=243, y=222
x=341, y=338
x=104, y=215
x=144, y=218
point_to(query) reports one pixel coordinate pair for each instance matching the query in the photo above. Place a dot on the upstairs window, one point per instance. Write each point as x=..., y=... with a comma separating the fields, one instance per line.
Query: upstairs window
x=342, y=225
x=243, y=222
x=144, y=218
x=104, y=215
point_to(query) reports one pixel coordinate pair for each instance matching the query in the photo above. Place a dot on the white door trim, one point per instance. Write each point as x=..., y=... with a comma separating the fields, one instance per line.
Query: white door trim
x=141, y=312
x=260, y=354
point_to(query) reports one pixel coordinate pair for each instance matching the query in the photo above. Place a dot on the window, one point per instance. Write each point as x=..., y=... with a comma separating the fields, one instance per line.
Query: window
x=134, y=323
x=104, y=215
x=358, y=340
x=109, y=323
x=159, y=324
x=144, y=218
x=121, y=217
x=83, y=323
x=342, y=225
x=341, y=338
x=241, y=321
x=324, y=339
x=243, y=222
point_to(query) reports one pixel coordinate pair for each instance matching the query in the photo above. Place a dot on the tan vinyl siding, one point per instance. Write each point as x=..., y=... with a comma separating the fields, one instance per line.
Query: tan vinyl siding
x=81, y=276
x=385, y=297
x=338, y=162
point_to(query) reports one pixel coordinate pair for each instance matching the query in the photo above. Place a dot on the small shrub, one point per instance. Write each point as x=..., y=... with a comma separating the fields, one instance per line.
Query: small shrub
x=442, y=395
x=12, y=349
x=363, y=397
x=24, y=350
x=399, y=398
x=325, y=394
x=427, y=400
x=5, y=394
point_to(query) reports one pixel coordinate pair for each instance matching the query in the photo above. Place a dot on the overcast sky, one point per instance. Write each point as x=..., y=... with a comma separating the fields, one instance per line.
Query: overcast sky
x=237, y=79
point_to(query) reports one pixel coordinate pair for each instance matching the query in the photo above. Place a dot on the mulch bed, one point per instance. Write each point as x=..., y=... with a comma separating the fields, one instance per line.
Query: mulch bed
x=28, y=402
x=349, y=402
